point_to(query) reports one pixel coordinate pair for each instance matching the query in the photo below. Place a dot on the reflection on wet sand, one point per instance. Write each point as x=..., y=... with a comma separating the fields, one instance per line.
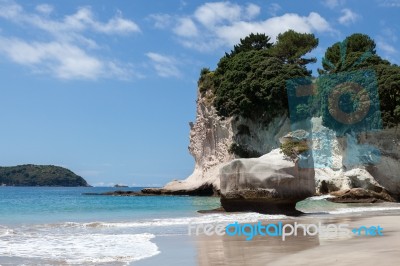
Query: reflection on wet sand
x=228, y=250
x=306, y=250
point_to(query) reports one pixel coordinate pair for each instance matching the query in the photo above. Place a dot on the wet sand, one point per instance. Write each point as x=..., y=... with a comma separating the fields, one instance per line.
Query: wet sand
x=301, y=250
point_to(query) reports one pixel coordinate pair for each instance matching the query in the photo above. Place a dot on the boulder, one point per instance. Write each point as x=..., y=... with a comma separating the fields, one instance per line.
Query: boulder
x=177, y=188
x=270, y=184
x=361, y=195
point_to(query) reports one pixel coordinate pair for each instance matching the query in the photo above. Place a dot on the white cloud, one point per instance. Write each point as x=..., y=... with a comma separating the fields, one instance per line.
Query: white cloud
x=116, y=25
x=273, y=26
x=386, y=47
x=389, y=3
x=211, y=14
x=182, y=4
x=102, y=184
x=161, y=21
x=165, y=66
x=9, y=11
x=223, y=24
x=317, y=23
x=333, y=3
x=390, y=34
x=273, y=9
x=44, y=9
x=348, y=17
x=63, y=60
x=185, y=28
x=66, y=54
x=80, y=21
x=252, y=11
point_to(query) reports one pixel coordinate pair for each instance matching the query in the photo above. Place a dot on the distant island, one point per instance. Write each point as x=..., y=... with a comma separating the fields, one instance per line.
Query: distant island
x=40, y=175
x=119, y=185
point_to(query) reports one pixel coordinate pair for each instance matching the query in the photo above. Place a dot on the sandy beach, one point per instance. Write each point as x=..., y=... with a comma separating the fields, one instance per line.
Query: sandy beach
x=300, y=250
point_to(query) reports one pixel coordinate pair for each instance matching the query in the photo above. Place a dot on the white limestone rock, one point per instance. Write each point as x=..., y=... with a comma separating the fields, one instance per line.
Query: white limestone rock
x=271, y=183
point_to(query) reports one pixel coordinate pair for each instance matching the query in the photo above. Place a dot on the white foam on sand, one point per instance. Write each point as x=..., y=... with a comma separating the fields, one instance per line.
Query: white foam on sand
x=363, y=209
x=66, y=243
x=320, y=197
x=4, y=231
x=208, y=218
x=84, y=249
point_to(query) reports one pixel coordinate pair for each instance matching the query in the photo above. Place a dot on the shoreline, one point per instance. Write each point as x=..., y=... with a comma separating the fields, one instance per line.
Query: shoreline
x=300, y=250
x=134, y=231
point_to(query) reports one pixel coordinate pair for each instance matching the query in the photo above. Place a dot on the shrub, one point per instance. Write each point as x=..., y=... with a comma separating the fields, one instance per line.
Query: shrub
x=292, y=149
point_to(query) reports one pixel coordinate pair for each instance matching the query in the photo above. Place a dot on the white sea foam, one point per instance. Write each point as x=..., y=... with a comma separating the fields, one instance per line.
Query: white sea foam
x=209, y=218
x=363, y=209
x=86, y=249
x=321, y=197
x=4, y=231
x=68, y=243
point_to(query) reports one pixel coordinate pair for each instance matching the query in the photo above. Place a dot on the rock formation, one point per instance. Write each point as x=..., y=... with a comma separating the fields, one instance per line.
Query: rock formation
x=272, y=183
x=212, y=139
x=384, y=175
x=360, y=195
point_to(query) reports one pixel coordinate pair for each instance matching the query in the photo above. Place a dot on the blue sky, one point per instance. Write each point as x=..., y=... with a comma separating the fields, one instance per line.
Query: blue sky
x=107, y=88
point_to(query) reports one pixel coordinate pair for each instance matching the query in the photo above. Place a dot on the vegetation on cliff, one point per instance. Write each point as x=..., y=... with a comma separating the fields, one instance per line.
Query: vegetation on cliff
x=357, y=54
x=292, y=149
x=251, y=81
x=40, y=175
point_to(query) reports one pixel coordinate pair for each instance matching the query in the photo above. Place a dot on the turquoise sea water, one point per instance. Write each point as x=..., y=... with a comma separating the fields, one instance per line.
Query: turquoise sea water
x=61, y=226
x=29, y=205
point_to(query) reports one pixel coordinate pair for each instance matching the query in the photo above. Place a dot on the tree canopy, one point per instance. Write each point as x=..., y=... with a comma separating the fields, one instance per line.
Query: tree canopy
x=357, y=53
x=252, y=42
x=291, y=46
x=250, y=81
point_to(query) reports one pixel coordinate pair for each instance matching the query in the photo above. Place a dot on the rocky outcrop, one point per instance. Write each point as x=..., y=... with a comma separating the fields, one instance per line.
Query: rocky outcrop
x=354, y=166
x=387, y=171
x=272, y=183
x=202, y=190
x=361, y=195
x=130, y=193
x=212, y=141
x=116, y=193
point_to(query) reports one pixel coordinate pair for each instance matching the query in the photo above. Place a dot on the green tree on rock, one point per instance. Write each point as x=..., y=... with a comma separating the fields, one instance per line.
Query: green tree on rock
x=251, y=80
x=252, y=42
x=357, y=52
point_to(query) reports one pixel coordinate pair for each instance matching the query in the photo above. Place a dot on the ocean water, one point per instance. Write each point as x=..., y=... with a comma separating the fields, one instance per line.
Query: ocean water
x=61, y=226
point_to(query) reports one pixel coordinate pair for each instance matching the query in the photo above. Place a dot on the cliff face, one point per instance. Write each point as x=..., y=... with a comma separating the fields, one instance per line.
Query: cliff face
x=212, y=139
x=354, y=166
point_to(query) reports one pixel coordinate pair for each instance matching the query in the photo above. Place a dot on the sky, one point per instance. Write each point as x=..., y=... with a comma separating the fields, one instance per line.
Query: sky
x=108, y=88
